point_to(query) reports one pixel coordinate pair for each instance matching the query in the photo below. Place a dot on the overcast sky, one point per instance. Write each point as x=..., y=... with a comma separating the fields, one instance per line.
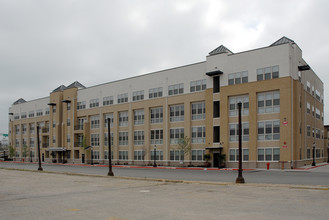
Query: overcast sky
x=44, y=44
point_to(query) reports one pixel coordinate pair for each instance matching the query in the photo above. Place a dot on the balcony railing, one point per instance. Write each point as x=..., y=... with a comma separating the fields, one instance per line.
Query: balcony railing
x=77, y=144
x=45, y=145
x=45, y=130
x=78, y=127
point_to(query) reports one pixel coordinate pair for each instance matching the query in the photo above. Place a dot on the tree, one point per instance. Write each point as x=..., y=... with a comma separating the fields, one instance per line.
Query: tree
x=24, y=150
x=184, y=145
x=11, y=151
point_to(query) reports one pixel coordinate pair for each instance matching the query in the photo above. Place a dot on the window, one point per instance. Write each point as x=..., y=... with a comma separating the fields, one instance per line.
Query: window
x=234, y=132
x=16, y=116
x=198, y=111
x=268, y=73
x=317, y=113
x=17, y=129
x=68, y=106
x=139, y=95
x=139, y=155
x=155, y=92
x=139, y=117
x=317, y=133
x=123, y=155
x=269, y=130
x=198, y=155
x=317, y=153
x=106, y=137
x=106, y=117
x=94, y=139
x=32, y=128
x=139, y=138
x=81, y=105
x=216, y=109
x=54, y=124
x=268, y=154
x=157, y=136
x=17, y=143
x=31, y=114
x=39, y=112
x=123, y=138
x=308, y=86
x=93, y=103
x=312, y=90
x=312, y=110
x=216, y=134
x=54, y=139
x=198, y=135
x=216, y=84
x=47, y=111
x=68, y=138
x=308, y=153
x=24, y=128
x=23, y=115
x=238, y=78
x=234, y=154
x=94, y=120
x=308, y=108
x=177, y=155
x=176, y=113
x=308, y=130
x=108, y=100
x=176, y=134
x=122, y=98
x=68, y=122
x=31, y=142
x=95, y=155
x=158, y=156
x=317, y=95
x=268, y=102
x=176, y=89
x=106, y=154
x=123, y=119
x=156, y=115
x=233, y=105
x=199, y=85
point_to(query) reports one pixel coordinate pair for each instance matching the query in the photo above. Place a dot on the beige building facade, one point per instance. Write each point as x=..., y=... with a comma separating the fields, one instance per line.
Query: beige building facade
x=282, y=114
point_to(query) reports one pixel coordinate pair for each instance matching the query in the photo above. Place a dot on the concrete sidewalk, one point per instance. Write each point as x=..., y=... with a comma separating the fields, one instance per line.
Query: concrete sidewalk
x=41, y=195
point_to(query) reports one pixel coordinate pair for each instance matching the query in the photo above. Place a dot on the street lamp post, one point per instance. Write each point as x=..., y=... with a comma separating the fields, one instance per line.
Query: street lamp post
x=91, y=155
x=40, y=168
x=220, y=157
x=110, y=173
x=240, y=178
x=155, y=155
x=328, y=154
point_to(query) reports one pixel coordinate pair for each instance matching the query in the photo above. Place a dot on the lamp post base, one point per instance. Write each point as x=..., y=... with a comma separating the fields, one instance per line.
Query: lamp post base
x=40, y=169
x=154, y=165
x=313, y=164
x=240, y=179
x=110, y=173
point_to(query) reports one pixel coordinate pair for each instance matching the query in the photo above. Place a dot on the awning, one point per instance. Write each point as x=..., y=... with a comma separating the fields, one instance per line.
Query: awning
x=214, y=148
x=57, y=149
x=214, y=73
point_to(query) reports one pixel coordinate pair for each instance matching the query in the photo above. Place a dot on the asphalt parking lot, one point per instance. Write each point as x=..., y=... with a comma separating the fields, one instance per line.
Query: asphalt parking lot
x=42, y=195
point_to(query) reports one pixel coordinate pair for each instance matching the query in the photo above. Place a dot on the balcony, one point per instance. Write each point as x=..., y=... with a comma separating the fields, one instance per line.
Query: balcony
x=45, y=145
x=45, y=130
x=77, y=144
x=78, y=127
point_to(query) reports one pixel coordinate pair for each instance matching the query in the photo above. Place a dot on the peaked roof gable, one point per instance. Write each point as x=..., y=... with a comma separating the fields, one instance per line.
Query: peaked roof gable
x=76, y=84
x=219, y=50
x=282, y=40
x=60, y=89
x=19, y=101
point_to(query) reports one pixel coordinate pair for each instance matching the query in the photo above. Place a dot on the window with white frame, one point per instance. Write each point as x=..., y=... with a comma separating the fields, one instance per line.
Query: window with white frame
x=198, y=155
x=158, y=156
x=198, y=85
x=47, y=111
x=31, y=114
x=32, y=128
x=23, y=115
x=94, y=139
x=176, y=89
x=176, y=135
x=308, y=105
x=155, y=92
x=308, y=86
x=106, y=137
x=317, y=113
x=39, y=112
x=68, y=122
x=198, y=111
x=268, y=130
x=107, y=100
x=54, y=123
x=123, y=98
x=268, y=154
x=268, y=73
x=95, y=155
x=81, y=105
x=16, y=116
x=138, y=137
x=157, y=136
x=176, y=113
x=198, y=135
x=317, y=95
x=54, y=139
x=106, y=117
x=234, y=132
x=156, y=115
x=93, y=103
x=94, y=121
x=123, y=138
x=123, y=155
x=139, y=117
x=68, y=106
x=32, y=142
x=106, y=154
x=24, y=128
x=312, y=90
x=17, y=129
x=138, y=95
x=233, y=105
x=68, y=138
x=308, y=130
x=312, y=110
x=238, y=78
x=17, y=143
x=268, y=102
x=177, y=155
x=123, y=119
x=317, y=133
x=234, y=154
x=139, y=155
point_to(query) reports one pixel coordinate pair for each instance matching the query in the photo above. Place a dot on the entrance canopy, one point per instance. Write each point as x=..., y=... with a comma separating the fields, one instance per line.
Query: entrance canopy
x=57, y=149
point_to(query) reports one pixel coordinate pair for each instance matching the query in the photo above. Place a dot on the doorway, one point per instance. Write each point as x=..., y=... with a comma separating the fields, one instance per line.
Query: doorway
x=215, y=159
x=83, y=158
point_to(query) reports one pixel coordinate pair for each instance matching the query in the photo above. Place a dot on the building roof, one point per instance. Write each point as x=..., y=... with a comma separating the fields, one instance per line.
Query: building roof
x=282, y=40
x=60, y=89
x=219, y=50
x=19, y=101
x=76, y=84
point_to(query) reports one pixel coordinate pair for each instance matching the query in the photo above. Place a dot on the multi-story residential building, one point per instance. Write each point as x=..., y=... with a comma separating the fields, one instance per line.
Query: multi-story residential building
x=282, y=114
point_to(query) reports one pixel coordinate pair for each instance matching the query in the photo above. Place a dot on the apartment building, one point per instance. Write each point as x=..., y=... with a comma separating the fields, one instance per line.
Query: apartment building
x=282, y=114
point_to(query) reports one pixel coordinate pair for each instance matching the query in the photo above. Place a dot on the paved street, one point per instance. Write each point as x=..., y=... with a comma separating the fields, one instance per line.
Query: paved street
x=41, y=195
x=313, y=176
